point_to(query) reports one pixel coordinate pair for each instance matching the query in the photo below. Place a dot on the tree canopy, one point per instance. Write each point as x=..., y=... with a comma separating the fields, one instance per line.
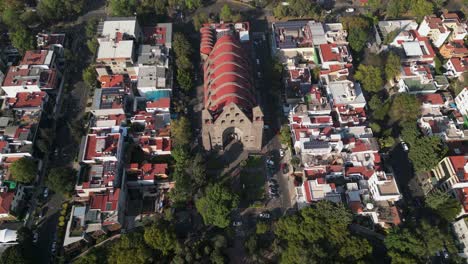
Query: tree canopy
x=51, y=10
x=122, y=8
x=130, y=248
x=415, y=245
x=24, y=170
x=426, y=152
x=404, y=107
x=444, y=205
x=216, y=205
x=392, y=66
x=161, y=237
x=297, y=8
x=90, y=76
x=22, y=39
x=181, y=131
x=15, y=255
x=370, y=77
x=320, y=233
x=61, y=180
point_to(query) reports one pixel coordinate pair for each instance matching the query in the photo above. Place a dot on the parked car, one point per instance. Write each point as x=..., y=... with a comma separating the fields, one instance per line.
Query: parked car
x=282, y=152
x=236, y=223
x=45, y=193
x=54, y=247
x=270, y=162
x=404, y=146
x=284, y=168
x=35, y=237
x=258, y=62
x=264, y=215
x=43, y=211
x=349, y=10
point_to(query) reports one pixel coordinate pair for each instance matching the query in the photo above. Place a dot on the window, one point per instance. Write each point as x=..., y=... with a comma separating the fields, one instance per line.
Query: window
x=232, y=121
x=223, y=121
x=241, y=121
x=237, y=114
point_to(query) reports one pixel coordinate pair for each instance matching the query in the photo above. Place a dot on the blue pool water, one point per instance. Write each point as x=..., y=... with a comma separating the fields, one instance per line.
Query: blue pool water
x=156, y=95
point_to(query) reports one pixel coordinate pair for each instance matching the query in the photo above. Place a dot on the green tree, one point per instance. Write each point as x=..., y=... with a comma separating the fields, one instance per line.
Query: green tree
x=426, y=152
x=181, y=132
x=51, y=10
x=421, y=8
x=226, y=13
x=443, y=205
x=216, y=205
x=395, y=8
x=130, y=248
x=22, y=39
x=90, y=76
x=280, y=11
x=10, y=17
x=200, y=19
x=262, y=228
x=439, y=69
x=161, y=237
x=409, y=132
x=416, y=244
x=184, y=79
x=375, y=127
x=181, y=45
x=24, y=170
x=92, y=45
x=387, y=142
x=91, y=28
x=182, y=192
x=357, y=39
x=122, y=8
x=199, y=170
x=61, y=180
x=392, y=67
x=285, y=136
x=404, y=108
x=95, y=255
x=15, y=255
x=320, y=233
x=370, y=77
x=374, y=103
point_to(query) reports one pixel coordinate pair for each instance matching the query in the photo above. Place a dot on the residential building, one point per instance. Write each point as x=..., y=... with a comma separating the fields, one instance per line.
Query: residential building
x=456, y=67
x=455, y=24
x=460, y=228
x=36, y=72
x=117, y=50
x=453, y=49
x=103, y=144
x=6, y=198
x=416, y=49
x=433, y=28
x=418, y=79
x=387, y=31
x=451, y=173
x=110, y=98
x=462, y=101
x=334, y=54
x=230, y=108
x=383, y=187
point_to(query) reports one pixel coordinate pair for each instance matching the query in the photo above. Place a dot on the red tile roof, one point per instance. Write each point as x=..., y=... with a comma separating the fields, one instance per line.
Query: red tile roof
x=458, y=163
x=26, y=100
x=110, y=81
x=328, y=54
x=105, y=202
x=460, y=65
x=365, y=172
x=34, y=57
x=156, y=35
x=435, y=99
x=308, y=193
x=98, y=145
x=6, y=198
x=164, y=102
x=356, y=207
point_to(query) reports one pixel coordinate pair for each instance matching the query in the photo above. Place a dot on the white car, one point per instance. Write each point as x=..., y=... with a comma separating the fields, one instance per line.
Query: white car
x=258, y=62
x=281, y=152
x=236, y=223
x=264, y=215
x=46, y=192
x=404, y=146
x=54, y=247
x=349, y=10
x=270, y=162
x=35, y=237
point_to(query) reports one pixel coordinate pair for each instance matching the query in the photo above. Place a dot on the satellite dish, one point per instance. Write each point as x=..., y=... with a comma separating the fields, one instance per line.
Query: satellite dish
x=369, y=206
